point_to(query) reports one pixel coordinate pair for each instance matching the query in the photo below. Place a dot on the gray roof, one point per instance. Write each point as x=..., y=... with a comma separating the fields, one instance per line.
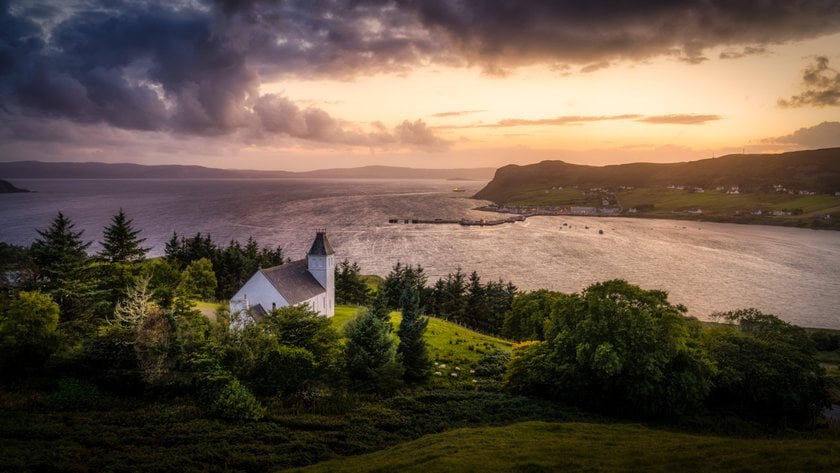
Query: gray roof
x=293, y=281
x=258, y=312
x=321, y=246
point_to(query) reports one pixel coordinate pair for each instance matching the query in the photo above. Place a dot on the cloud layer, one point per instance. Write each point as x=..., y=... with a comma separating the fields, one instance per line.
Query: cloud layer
x=195, y=67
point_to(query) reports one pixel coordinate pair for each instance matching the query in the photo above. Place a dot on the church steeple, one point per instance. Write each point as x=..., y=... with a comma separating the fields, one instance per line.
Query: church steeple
x=321, y=264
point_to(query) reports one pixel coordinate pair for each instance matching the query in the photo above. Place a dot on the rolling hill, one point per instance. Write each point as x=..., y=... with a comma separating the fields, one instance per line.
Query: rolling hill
x=814, y=170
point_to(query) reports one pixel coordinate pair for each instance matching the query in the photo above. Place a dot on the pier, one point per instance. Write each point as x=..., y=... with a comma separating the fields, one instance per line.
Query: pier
x=464, y=221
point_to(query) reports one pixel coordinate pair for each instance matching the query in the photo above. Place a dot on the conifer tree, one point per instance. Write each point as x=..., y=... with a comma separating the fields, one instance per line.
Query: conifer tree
x=412, y=348
x=379, y=308
x=370, y=354
x=120, y=241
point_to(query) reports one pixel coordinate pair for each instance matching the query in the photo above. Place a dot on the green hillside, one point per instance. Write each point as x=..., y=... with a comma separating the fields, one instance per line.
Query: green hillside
x=448, y=343
x=552, y=446
x=797, y=189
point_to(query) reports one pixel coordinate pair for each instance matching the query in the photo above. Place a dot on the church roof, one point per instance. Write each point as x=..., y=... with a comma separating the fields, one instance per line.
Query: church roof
x=293, y=281
x=321, y=246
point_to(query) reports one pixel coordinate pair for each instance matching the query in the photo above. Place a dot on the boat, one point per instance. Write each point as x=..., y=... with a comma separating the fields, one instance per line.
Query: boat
x=458, y=189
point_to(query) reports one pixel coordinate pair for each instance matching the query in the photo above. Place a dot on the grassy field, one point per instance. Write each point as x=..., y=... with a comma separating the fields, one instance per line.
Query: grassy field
x=552, y=446
x=448, y=343
x=720, y=203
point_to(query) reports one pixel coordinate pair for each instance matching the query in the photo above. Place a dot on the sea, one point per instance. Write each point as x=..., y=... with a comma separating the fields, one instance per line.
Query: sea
x=708, y=267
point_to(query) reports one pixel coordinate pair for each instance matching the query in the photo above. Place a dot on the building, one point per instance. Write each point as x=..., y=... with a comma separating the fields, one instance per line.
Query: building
x=309, y=281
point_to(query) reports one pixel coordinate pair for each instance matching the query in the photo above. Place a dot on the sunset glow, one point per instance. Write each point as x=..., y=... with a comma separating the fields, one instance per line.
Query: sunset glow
x=295, y=86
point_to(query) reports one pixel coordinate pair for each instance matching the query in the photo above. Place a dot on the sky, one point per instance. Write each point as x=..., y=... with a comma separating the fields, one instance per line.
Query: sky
x=313, y=84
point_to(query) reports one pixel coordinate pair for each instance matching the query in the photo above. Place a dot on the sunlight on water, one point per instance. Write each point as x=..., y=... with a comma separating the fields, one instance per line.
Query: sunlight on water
x=709, y=267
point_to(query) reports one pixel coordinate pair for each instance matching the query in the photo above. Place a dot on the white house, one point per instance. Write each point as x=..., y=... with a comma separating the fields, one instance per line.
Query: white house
x=308, y=281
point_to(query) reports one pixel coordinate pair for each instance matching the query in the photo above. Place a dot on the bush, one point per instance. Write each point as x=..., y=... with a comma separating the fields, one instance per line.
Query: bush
x=284, y=370
x=234, y=402
x=492, y=364
x=72, y=394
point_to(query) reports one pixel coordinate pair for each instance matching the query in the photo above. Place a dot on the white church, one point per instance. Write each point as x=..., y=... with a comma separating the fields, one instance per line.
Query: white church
x=309, y=281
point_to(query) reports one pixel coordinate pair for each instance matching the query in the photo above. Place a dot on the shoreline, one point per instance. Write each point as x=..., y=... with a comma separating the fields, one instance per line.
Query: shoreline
x=830, y=224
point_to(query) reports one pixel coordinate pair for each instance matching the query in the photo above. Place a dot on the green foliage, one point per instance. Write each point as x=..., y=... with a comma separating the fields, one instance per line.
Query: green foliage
x=75, y=394
x=284, y=370
x=399, y=279
x=298, y=326
x=120, y=242
x=618, y=348
x=349, y=286
x=17, y=270
x=198, y=280
x=528, y=314
x=28, y=332
x=164, y=276
x=109, y=360
x=61, y=260
x=766, y=369
x=370, y=355
x=468, y=302
x=234, y=402
x=492, y=364
x=233, y=264
x=412, y=348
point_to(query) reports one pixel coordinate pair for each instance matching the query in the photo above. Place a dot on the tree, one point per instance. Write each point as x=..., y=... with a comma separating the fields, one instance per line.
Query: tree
x=28, y=332
x=120, y=242
x=379, y=309
x=528, y=314
x=349, y=286
x=298, y=326
x=60, y=256
x=412, y=350
x=399, y=279
x=766, y=369
x=618, y=348
x=370, y=355
x=198, y=280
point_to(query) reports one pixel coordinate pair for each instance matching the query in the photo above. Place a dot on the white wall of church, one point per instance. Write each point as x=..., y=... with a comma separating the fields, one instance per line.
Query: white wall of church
x=258, y=290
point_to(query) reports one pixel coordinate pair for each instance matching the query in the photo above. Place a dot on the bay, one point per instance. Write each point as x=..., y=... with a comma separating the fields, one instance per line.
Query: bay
x=709, y=267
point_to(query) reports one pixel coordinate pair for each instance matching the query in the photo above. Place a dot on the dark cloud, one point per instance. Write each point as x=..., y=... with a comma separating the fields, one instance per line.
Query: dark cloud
x=821, y=86
x=679, y=119
x=745, y=51
x=195, y=66
x=504, y=32
x=824, y=135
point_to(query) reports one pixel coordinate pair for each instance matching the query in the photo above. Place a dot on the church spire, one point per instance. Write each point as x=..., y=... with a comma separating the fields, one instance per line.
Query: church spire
x=321, y=246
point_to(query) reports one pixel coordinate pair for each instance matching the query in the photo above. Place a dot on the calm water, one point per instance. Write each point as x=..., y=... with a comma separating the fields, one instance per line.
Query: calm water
x=709, y=267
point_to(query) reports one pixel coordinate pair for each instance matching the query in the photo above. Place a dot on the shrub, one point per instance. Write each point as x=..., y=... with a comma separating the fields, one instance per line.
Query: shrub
x=72, y=394
x=234, y=402
x=492, y=364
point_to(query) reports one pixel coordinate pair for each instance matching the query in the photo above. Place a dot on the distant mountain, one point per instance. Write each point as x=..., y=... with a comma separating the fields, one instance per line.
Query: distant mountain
x=813, y=170
x=6, y=187
x=44, y=170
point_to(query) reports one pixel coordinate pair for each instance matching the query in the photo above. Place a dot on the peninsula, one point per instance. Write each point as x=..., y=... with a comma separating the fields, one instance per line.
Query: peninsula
x=794, y=189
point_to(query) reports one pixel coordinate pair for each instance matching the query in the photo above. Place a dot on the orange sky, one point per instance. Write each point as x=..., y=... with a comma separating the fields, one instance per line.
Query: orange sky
x=438, y=84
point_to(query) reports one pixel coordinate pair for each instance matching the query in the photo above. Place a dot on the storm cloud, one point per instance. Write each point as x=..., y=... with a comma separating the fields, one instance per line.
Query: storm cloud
x=196, y=67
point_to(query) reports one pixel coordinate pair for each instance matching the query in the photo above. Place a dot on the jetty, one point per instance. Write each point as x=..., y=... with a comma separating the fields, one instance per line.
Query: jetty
x=483, y=222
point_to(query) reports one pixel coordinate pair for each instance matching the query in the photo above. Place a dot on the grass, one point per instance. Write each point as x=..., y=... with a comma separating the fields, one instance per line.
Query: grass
x=447, y=342
x=208, y=309
x=720, y=203
x=553, y=446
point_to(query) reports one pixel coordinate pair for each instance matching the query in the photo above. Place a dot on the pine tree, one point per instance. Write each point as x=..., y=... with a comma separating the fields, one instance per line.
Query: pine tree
x=60, y=257
x=412, y=348
x=370, y=354
x=120, y=241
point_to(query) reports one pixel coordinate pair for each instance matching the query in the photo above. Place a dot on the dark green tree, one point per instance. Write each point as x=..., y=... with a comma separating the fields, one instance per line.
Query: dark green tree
x=402, y=277
x=618, y=348
x=379, y=309
x=528, y=314
x=198, y=280
x=298, y=326
x=61, y=260
x=120, y=242
x=370, y=354
x=412, y=350
x=767, y=370
x=349, y=286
